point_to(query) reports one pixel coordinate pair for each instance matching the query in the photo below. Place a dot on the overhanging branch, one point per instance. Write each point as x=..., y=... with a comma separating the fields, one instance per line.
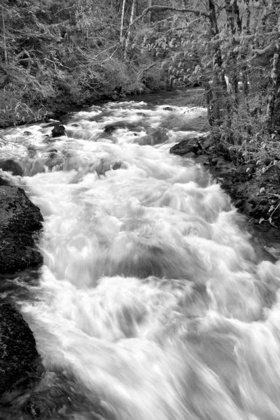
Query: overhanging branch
x=166, y=8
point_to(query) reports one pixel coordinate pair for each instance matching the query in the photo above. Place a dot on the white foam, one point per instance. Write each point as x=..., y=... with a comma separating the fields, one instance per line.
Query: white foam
x=151, y=293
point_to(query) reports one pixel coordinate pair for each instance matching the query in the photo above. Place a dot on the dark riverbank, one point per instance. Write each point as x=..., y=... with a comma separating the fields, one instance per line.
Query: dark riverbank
x=20, y=362
x=255, y=195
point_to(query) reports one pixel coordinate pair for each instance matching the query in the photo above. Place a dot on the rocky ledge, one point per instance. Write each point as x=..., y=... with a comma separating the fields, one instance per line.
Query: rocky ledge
x=20, y=363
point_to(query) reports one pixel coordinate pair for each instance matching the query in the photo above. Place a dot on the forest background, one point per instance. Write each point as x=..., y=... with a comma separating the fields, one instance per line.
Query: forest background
x=57, y=54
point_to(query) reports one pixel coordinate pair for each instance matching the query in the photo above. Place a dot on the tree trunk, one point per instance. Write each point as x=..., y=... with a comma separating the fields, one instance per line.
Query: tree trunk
x=4, y=37
x=233, y=22
x=273, y=104
x=218, y=91
x=244, y=68
x=149, y=15
x=129, y=28
x=273, y=101
x=122, y=23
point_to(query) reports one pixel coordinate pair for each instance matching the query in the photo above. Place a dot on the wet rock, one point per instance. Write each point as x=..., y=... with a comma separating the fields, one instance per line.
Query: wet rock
x=55, y=160
x=9, y=165
x=190, y=155
x=267, y=161
x=3, y=181
x=19, y=218
x=58, y=393
x=206, y=143
x=121, y=125
x=110, y=128
x=158, y=135
x=184, y=147
x=58, y=131
x=116, y=165
x=20, y=363
x=214, y=161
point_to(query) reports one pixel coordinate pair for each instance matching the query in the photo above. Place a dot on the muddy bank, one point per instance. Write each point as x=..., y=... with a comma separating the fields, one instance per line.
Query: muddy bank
x=255, y=193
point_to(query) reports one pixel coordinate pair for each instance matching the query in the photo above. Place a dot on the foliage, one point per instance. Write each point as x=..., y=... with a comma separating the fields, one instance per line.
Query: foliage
x=79, y=50
x=54, y=54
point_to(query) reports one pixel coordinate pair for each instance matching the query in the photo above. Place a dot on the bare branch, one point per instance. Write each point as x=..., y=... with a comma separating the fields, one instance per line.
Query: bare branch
x=265, y=50
x=165, y=8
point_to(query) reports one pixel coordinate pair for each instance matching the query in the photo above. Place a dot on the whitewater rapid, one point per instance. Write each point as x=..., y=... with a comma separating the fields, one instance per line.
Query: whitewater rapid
x=152, y=295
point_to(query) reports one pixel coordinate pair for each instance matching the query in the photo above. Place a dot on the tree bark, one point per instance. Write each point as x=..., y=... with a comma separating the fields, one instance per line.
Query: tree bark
x=122, y=23
x=149, y=14
x=273, y=100
x=244, y=68
x=273, y=103
x=218, y=96
x=233, y=21
x=129, y=28
x=4, y=37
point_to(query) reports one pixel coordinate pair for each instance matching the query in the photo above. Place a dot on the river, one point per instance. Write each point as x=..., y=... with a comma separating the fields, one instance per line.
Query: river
x=152, y=302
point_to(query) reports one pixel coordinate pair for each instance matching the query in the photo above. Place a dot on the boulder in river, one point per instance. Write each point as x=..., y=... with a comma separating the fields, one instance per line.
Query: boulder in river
x=9, y=165
x=20, y=363
x=159, y=135
x=58, y=131
x=19, y=219
x=186, y=146
x=121, y=125
x=110, y=128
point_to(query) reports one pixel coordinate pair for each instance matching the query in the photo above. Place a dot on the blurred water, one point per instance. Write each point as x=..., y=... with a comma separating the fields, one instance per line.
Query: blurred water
x=152, y=295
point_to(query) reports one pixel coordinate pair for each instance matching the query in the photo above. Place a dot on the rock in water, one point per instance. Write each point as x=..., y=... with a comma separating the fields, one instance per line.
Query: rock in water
x=3, y=181
x=19, y=219
x=20, y=363
x=110, y=128
x=186, y=146
x=9, y=165
x=58, y=131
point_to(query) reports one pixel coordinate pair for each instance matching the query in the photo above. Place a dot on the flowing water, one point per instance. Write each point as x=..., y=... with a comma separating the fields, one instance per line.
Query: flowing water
x=152, y=303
